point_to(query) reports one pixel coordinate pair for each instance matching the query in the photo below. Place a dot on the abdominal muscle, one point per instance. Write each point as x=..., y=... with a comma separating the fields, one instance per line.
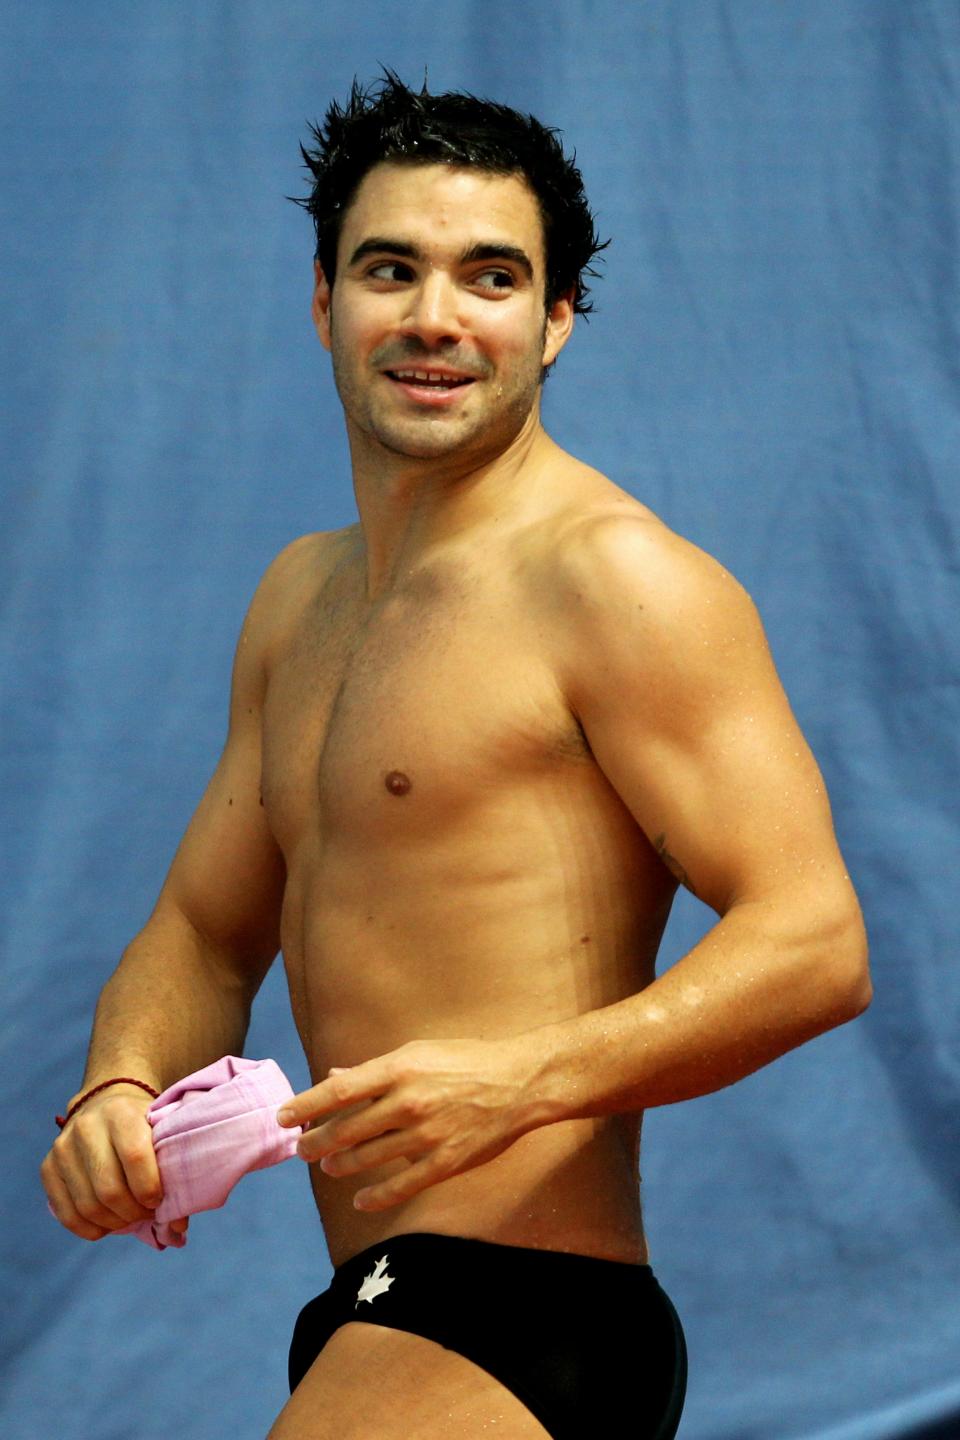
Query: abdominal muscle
x=375, y=961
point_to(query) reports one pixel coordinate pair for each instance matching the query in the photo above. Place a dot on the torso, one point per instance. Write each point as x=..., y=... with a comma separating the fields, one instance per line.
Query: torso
x=458, y=865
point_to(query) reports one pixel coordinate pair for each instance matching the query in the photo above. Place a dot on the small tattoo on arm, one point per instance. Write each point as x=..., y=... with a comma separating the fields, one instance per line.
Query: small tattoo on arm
x=672, y=863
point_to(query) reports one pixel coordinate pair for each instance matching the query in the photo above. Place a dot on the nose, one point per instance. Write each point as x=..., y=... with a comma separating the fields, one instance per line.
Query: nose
x=432, y=315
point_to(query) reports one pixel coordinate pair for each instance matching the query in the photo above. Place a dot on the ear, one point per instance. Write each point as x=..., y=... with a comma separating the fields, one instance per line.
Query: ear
x=320, y=308
x=558, y=327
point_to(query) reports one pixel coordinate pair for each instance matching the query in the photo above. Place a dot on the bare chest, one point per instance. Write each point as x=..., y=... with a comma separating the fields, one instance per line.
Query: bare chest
x=395, y=722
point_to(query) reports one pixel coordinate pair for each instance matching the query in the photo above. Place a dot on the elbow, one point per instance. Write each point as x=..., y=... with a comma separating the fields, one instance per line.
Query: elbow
x=857, y=995
x=845, y=967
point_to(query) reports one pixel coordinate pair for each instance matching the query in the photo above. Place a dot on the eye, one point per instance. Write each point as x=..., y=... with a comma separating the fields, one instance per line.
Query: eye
x=392, y=271
x=494, y=280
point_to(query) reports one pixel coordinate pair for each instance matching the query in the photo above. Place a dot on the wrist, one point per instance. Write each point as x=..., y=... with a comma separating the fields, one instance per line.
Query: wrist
x=559, y=1062
x=130, y=1083
x=138, y=1067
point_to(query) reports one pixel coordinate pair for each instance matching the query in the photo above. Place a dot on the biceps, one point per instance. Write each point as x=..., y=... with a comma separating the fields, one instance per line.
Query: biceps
x=736, y=808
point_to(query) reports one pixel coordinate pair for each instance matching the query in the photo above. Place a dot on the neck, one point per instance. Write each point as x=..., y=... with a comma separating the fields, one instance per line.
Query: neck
x=410, y=507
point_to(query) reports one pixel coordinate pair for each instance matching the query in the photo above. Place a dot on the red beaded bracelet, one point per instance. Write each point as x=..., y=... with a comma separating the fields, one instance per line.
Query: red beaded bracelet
x=120, y=1080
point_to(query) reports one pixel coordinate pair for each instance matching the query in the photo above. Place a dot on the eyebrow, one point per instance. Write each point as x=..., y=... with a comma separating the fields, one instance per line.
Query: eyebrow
x=385, y=245
x=500, y=252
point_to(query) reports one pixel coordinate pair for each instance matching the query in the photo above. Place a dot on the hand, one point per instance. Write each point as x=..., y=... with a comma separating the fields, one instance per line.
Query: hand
x=444, y=1106
x=101, y=1172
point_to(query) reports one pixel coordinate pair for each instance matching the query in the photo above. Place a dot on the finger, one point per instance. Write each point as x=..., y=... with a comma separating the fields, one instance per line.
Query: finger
x=364, y=1123
x=180, y=1226
x=94, y=1176
x=133, y=1143
x=85, y=1201
x=397, y=1144
x=420, y=1176
x=61, y=1203
x=339, y=1091
x=110, y=1202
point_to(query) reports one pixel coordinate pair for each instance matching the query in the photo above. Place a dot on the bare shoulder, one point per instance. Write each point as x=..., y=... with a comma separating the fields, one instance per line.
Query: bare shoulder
x=298, y=568
x=620, y=550
x=620, y=580
x=286, y=587
x=662, y=658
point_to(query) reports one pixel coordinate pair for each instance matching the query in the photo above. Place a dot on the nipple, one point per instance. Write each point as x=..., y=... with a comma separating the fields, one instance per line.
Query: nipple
x=397, y=783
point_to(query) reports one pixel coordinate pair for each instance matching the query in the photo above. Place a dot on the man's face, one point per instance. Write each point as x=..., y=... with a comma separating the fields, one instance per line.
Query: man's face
x=436, y=322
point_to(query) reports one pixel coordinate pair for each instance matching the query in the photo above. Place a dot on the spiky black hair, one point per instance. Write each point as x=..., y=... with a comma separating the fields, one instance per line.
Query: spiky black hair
x=389, y=121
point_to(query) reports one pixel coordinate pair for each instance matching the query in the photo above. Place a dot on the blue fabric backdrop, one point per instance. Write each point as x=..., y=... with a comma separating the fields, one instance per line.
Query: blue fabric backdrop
x=773, y=367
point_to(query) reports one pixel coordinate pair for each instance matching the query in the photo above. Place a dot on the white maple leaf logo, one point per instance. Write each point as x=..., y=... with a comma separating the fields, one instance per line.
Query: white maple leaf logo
x=375, y=1283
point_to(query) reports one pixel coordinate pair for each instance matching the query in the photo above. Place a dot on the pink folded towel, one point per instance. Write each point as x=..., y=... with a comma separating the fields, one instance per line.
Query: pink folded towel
x=209, y=1130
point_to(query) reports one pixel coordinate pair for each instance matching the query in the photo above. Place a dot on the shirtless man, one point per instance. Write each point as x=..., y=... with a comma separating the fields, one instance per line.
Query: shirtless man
x=475, y=743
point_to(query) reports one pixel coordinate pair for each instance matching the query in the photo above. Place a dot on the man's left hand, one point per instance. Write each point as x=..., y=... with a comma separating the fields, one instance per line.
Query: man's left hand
x=444, y=1106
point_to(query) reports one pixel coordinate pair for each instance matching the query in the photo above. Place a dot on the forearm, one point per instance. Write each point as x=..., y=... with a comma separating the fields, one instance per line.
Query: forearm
x=173, y=1005
x=756, y=986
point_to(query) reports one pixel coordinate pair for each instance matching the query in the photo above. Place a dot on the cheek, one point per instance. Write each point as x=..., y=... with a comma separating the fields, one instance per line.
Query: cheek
x=353, y=327
x=514, y=338
x=351, y=346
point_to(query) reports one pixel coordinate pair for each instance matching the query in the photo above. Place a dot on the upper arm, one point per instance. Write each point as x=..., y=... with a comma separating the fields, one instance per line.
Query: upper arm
x=227, y=878
x=672, y=679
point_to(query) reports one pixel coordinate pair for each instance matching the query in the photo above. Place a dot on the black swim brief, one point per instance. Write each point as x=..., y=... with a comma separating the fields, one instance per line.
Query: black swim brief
x=591, y=1347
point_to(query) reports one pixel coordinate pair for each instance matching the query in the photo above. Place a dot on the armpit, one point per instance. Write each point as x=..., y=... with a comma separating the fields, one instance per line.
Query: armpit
x=672, y=863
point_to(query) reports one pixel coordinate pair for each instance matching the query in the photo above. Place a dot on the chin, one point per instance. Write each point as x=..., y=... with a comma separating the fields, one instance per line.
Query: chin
x=431, y=441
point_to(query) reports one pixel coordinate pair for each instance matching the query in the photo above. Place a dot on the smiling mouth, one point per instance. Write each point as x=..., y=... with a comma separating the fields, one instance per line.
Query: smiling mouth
x=429, y=379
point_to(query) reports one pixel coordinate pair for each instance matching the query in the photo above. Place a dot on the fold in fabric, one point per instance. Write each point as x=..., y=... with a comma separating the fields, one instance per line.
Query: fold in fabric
x=209, y=1130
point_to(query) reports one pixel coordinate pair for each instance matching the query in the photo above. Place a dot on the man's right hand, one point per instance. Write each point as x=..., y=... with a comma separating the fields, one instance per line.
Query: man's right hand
x=101, y=1172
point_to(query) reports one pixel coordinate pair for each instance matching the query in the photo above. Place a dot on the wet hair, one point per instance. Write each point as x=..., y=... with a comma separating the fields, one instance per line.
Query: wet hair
x=389, y=122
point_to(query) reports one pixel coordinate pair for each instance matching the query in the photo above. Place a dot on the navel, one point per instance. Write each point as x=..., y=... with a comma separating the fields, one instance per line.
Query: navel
x=397, y=783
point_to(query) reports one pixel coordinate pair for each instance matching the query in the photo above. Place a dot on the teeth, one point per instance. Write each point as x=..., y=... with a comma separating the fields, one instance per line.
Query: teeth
x=426, y=377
